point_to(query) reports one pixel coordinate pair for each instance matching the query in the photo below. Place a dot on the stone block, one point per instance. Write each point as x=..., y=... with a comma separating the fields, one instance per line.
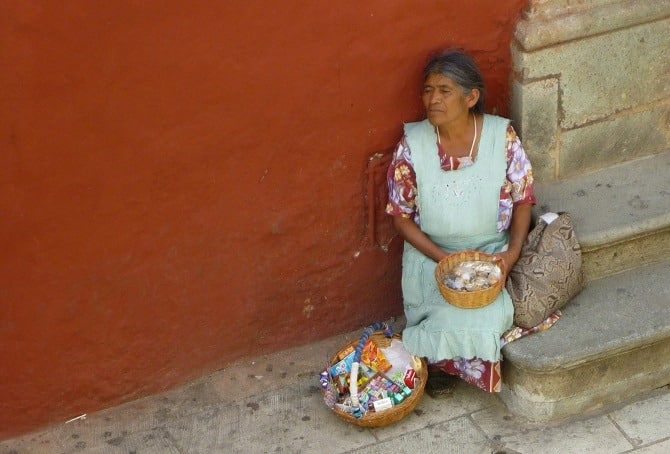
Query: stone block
x=535, y=118
x=555, y=396
x=618, y=257
x=549, y=22
x=604, y=74
x=621, y=138
x=621, y=204
x=612, y=343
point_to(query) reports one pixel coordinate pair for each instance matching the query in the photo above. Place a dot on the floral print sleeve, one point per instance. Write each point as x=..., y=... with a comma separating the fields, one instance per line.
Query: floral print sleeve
x=519, y=185
x=402, y=184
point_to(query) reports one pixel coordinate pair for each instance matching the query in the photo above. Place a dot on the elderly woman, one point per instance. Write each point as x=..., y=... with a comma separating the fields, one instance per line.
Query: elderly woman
x=459, y=180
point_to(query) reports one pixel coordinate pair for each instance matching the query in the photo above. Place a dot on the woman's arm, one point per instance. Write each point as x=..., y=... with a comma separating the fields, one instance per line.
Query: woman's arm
x=411, y=233
x=521, y=188
x=518, y=231
x=401, y=205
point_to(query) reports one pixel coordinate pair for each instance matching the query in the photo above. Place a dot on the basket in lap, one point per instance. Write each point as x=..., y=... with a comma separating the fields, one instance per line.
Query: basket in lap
x=473, y=298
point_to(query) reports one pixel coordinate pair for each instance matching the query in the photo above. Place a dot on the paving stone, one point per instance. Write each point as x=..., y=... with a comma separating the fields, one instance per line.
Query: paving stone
x=455, y=436
x=428, y=412
x=215, y=428
x=292, y=419
x=155, y=441
x=646, y=421
x=659, y=448
x=63, y=440
x=595, y=435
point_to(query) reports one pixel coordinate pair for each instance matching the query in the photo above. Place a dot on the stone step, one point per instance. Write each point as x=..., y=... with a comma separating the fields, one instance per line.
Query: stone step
x=612, y=343
x=621, y=214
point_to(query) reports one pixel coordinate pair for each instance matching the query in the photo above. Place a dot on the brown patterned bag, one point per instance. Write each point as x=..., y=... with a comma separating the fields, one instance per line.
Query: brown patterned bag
x=549, y=271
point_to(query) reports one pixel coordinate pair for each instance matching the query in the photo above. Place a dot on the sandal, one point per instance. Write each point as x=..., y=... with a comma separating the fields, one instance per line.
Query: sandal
x=440, y=385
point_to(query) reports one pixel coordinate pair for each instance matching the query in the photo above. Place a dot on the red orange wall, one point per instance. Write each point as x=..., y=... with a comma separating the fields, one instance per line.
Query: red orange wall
x=183, y=184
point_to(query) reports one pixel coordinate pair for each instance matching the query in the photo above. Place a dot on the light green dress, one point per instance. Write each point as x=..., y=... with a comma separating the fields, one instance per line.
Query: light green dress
x=459, y=211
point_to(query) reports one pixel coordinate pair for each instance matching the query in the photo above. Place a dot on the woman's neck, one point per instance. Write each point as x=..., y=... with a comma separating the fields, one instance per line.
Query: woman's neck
x=461, y=143
x=457, y=130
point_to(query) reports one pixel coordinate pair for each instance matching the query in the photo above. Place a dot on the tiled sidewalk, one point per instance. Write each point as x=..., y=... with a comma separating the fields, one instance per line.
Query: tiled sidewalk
x=274, y=404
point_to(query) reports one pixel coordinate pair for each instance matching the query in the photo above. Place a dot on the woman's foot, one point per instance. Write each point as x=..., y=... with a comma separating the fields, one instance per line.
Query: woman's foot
x=440, y=384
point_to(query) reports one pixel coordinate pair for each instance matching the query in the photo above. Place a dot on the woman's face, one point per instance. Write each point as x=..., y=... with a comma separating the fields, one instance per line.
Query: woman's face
x=445, y=101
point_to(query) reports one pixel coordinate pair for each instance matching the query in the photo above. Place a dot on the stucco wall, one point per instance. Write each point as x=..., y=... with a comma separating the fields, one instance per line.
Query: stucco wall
x=184, y=183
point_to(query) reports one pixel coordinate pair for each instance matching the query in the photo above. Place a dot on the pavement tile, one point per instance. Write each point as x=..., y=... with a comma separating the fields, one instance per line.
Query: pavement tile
x=658, y=448
x=182, y=402
x=154, y=441
x=275, y=404
x=215, y=428
x=645, y=421
x=455, y=436
x=594, y=435
x=292, y=419
x=267, y=373
x=61, y=441
x=280, y=369
x=465, y=399
x=40, y=443
x=126, y=422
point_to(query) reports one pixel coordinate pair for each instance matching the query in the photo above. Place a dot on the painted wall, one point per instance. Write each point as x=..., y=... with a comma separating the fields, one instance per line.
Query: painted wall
x=184, y=184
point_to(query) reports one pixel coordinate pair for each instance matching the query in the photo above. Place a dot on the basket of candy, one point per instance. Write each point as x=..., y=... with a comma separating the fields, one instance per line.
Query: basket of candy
x=469, y=279
x=374, y=381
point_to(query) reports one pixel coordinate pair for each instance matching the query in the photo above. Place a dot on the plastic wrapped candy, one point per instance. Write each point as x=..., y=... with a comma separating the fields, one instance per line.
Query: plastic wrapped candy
x=473, y=275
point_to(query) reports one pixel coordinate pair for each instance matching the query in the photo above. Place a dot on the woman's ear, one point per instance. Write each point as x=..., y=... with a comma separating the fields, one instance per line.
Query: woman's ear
x=473, y=97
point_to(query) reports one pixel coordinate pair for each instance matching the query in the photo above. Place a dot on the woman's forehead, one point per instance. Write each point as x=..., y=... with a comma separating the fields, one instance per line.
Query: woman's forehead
x=437, y=80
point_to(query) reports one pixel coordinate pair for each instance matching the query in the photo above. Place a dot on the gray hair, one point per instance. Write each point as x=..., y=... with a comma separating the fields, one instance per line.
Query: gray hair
x=462, y=69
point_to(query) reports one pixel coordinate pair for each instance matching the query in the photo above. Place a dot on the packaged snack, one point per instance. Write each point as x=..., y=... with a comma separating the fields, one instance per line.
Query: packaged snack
x=342, y=384
x=473, y=275
x=383, y=404
x=362, y=381
x=410, y=378
x=365, y=371
x=343, y=367
x=330, y=394
x=345, y=352
x=373, y=357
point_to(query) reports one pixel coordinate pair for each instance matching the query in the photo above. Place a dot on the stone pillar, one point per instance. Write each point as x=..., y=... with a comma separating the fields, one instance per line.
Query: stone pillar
x=591, y=83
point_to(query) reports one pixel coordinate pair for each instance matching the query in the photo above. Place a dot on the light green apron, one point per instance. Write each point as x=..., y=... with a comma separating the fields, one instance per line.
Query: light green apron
x=458, y=211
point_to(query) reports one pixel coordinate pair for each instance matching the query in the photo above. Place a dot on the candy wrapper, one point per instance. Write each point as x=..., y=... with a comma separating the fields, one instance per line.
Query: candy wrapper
x=343, y=367
x=373, y=357
x=410, y=378
x=399, y=358
x=345, y=352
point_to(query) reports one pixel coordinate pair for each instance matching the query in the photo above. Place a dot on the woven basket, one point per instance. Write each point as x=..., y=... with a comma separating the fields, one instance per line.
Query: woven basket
x=395, y=413
x=462, y=298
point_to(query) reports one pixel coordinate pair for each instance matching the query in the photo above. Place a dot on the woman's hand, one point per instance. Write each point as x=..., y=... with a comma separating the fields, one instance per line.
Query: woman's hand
x=507, y=260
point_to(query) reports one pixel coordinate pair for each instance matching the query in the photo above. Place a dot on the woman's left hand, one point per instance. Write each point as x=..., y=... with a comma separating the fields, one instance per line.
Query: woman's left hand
x=507, y=259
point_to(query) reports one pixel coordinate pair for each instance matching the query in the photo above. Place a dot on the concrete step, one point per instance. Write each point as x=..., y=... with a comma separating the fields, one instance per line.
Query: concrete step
x=612, y=343
x=621, y=214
